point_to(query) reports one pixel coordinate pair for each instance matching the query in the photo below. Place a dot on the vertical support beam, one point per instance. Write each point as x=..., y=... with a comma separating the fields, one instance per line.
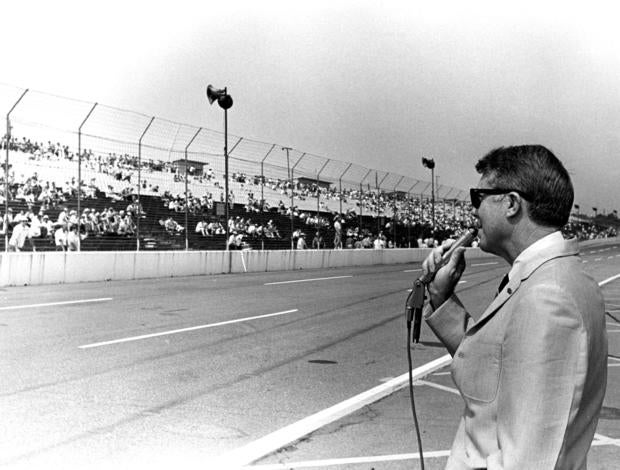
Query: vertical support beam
x=186, y=192
x=226, y=178
x=394, y=211
x=79, y=182
x=340, y=186
x=262, y=179
x=318, y=195
x=139, y=208
x=6, y=171
x=290, y=181
x=362, y=198
x=292, y=194
x=378, y=201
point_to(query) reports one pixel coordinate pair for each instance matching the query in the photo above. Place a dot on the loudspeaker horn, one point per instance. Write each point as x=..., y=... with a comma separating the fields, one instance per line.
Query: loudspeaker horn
x=214, y=94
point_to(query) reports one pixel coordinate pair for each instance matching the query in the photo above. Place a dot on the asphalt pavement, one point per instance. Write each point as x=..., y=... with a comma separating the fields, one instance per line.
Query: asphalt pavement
x=185, y=372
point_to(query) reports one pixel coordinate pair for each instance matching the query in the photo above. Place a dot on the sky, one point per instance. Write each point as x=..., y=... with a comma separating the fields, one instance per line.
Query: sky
x=378, y=83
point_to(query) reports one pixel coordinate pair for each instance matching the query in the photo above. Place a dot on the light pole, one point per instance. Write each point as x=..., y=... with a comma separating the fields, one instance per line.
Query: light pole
x=430, y=164
x=225, y=101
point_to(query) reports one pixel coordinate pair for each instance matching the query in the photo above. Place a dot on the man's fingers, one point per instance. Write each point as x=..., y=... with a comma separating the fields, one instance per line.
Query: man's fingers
x=457, y=261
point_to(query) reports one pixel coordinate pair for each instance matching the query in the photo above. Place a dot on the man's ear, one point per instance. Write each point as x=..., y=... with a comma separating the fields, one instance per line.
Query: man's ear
x=516, y=205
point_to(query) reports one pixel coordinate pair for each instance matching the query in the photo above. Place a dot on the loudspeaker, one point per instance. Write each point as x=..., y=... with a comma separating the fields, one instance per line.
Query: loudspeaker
x=223, y=99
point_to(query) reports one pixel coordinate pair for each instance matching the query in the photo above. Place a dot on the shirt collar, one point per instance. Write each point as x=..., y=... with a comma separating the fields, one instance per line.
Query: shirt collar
x=534, y=253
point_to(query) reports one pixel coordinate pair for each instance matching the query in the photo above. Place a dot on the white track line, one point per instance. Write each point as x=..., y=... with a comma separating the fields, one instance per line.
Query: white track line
x=348, y=461
x=305, y=280
x=183, y=330
x=255, y=450
x=412, y=270
x=278, y=439
x=608, y=280
x=439, y=387
x=485, y=264
x=600, y=440
x=50, y=304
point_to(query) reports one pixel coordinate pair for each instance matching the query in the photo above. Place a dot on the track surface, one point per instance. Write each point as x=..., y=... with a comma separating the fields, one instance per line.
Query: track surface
x=175, y=372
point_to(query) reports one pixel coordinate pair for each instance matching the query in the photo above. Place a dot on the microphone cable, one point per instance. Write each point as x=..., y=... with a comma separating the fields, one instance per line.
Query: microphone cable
x=413, y=314
x=411, y=395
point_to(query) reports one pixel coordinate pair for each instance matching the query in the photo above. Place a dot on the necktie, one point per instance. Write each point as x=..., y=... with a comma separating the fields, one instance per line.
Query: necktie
x=502, y=284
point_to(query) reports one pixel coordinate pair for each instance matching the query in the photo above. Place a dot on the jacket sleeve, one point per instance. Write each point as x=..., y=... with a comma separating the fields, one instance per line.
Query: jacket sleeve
x=543, y=356
x=448, y=322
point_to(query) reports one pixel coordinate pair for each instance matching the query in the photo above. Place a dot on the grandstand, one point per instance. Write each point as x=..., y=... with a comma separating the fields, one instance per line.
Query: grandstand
x=159, y=195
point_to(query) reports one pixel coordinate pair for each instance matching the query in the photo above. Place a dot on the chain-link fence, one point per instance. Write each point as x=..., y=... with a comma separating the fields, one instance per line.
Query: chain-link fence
x=150, y=183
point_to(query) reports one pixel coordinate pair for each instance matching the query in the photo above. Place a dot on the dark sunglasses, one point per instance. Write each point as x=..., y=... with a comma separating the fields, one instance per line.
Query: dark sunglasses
x=477, y=194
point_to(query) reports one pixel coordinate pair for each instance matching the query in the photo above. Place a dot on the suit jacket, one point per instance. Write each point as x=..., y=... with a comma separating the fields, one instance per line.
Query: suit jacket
x=532, y=369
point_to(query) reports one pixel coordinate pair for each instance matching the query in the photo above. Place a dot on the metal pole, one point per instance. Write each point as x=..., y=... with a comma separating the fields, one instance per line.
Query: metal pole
x=318, y=195
x=138, y=209
x=394, y=211
x=340, y=187
x=378, y=202
x=292, y=191
x=409, y=219
x=79, y=182
x=262, y=179
x=6, y=172
x=290, y=180
x=433, y=196
x=361, y=198
x=186, y=192
x=411, y=203
x=226, y=171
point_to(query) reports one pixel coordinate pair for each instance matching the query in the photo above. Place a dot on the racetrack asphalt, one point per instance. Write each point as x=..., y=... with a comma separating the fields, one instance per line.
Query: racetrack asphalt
x=178, y=372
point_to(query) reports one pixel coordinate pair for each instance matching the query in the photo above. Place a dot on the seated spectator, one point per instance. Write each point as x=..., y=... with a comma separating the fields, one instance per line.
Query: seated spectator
x=60, y=238
x=19, y=235
x=47, y=227
x=201, y=227
x=172, y=227
x=73, y=238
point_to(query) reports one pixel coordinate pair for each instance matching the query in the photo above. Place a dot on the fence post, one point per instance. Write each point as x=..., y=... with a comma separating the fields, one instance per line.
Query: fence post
x=379, y=199
x=139, y=208
x=292, y=194
x=361, y=198
x=410, y=203
x=318, y=195
x=186, y=195
x=262, y=181
x=79, y=182
x=394, y=211
x=340, y=185
x=6, y=172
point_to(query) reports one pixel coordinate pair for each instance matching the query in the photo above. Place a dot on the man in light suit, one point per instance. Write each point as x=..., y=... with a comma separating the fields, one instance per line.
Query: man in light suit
x=532, y=369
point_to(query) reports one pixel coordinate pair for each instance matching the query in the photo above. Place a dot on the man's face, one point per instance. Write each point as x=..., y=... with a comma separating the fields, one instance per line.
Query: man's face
x=490, y=217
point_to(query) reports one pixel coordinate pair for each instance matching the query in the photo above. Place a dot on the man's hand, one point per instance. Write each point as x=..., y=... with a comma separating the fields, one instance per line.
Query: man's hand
x=445, y=280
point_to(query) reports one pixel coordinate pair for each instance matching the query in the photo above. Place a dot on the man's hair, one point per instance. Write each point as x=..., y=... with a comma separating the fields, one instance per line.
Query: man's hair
x=537, y=172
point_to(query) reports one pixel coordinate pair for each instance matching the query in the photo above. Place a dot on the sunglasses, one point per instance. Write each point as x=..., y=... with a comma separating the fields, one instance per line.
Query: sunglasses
x=477, y=194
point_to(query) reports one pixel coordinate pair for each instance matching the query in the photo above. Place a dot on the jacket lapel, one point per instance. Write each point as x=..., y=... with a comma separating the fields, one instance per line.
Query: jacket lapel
x=525, y=267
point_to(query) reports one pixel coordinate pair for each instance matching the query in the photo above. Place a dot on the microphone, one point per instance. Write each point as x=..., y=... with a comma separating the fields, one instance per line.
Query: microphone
x=465, y=240
x=415, y=302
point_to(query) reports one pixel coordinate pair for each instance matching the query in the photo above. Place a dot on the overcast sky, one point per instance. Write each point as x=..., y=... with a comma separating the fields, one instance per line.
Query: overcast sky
x=378, y=83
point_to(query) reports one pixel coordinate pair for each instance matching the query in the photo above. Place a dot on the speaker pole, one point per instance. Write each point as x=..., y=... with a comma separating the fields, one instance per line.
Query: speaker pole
x=226, y=171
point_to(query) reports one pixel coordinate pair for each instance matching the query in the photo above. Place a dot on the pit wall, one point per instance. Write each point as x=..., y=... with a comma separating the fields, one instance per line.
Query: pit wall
x=18, y=269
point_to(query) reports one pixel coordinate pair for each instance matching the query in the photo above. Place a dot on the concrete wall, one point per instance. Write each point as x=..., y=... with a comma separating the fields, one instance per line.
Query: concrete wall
x=18, y=269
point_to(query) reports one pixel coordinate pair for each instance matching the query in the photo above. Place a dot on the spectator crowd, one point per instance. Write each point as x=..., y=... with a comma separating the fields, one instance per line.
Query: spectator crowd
x=397, y=219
